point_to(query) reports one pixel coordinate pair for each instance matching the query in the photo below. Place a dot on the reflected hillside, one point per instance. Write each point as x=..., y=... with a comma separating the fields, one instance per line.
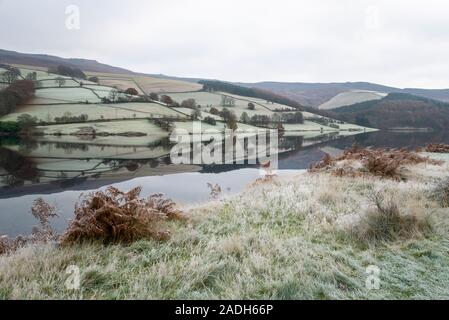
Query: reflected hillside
x=46, y=165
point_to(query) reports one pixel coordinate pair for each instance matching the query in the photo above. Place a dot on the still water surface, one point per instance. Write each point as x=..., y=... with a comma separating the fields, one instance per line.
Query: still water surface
x=61, y=172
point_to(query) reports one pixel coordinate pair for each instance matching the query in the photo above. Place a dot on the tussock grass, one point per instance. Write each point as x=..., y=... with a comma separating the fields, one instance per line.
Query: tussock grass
x=441, y=192
x=288, y=238
x=386, y=222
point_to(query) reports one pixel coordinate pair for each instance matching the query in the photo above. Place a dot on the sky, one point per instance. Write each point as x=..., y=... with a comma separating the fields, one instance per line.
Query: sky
x=402, y=43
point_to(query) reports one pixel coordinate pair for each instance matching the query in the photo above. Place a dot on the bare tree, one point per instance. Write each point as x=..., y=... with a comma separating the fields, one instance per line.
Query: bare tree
x=189, y=103
x=113, y=95
x=9, y=76
x=60, y=81
x=227, y=101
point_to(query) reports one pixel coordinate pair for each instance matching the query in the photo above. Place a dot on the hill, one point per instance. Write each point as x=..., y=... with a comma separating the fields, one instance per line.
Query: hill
x=44, y=60
x=397, y=111
x=351, y=97
x=74, y=108
x=315, y=94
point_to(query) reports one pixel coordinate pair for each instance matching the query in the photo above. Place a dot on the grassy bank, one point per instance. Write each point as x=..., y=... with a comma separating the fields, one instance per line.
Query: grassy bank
x=300, y=237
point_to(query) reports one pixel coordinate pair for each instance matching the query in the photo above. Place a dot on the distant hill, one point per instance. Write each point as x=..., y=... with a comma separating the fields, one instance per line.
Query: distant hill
x=43, y=60
x=351, y=97
x=397, y=110
x=315, y=94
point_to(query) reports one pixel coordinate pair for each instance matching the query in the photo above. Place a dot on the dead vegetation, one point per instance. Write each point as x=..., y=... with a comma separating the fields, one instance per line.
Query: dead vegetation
x=113, y=216
x=110, y=216
x=215, y=191
x=42, y=233
x=437, y=148
x=386, y=222
x=357, y=161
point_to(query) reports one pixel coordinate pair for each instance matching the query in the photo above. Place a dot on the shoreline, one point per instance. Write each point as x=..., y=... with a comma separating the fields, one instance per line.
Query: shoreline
x=285, y=238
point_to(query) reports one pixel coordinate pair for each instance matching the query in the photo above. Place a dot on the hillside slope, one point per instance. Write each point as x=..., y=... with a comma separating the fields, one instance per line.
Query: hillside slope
x=351, y=97
x=397, y=110
x=315, y=94
x=44, y=60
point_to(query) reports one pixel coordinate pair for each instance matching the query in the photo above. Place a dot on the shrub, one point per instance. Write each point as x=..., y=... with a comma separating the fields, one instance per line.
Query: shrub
x=385, y=222
x=195, y=114
x=214, y=111
x=26, y=121
x=210, y=120
x=16, y=94
x=441, y=192
x=189, y=103
x=132, y=92
x=167, y=100
x=67, y=71
x=68, y=118
x=113, y=216
x=9, y=127
x=94, y=79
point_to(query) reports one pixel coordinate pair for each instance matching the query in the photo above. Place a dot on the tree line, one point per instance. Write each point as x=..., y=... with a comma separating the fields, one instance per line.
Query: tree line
x=17, y=93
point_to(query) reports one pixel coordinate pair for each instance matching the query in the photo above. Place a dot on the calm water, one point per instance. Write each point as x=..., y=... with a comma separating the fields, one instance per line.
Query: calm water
x=60, y=172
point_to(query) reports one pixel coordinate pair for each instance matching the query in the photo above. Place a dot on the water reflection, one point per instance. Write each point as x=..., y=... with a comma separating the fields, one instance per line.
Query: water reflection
x=55, y=164
x=60, y=170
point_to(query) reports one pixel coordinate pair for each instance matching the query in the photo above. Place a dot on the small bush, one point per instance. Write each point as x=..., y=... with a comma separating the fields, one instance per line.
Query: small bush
x=113, y=216
x=385, y=222
x=9, y=127
x=43, y=233
x=210, y=120
x=441, y=193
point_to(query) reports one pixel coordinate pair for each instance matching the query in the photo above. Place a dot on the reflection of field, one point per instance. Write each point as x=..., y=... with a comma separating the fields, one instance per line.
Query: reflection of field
x=62, y=150
x=110, y=127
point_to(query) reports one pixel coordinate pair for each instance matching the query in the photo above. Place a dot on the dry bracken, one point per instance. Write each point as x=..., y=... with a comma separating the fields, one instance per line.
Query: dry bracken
x=113, y=216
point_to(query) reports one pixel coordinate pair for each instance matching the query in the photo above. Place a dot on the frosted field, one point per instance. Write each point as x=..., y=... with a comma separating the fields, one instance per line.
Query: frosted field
x=351, y=97
x=49, y=83
x=94, y=111
x=41, y=74
x=150, y=109
x=101, y=91
x=205, y=99
x=66, y=94
x=271, y=106
x=146, y=83
x=121, y=84
x=204, y=114
x=188, y=126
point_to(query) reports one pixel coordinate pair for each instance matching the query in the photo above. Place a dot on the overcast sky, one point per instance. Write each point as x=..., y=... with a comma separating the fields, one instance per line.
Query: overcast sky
x=404, y=43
